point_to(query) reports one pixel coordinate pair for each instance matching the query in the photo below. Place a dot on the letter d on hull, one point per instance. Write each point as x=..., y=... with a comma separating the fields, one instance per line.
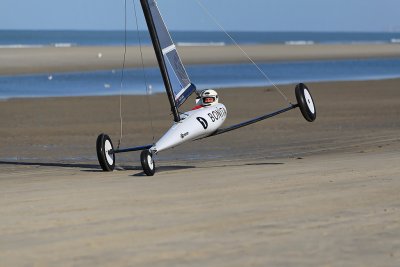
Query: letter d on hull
x=203, y=122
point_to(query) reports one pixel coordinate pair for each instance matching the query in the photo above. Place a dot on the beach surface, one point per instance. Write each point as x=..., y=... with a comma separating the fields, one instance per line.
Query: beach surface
x=283, y=192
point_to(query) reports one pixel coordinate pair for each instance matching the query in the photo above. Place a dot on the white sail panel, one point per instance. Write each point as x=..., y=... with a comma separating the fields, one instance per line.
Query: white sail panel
x=181, y=86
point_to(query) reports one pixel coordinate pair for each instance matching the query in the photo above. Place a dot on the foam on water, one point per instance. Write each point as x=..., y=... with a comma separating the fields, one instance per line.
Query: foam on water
x=109, y=38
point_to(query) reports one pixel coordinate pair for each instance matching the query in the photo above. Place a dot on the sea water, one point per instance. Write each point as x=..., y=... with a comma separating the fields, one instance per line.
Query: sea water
x=23, y=38
x=142, y=81
x=139, y=81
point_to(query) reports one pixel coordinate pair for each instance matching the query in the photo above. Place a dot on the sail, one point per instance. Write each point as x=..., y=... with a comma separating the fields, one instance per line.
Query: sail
x=179, y=81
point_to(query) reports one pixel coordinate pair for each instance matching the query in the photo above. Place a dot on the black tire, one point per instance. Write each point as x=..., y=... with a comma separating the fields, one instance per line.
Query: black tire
x=103, y=147
x=148, y=164
x=305, y=102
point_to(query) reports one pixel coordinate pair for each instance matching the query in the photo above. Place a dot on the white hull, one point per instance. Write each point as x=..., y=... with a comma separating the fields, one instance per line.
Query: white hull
x=194, y=124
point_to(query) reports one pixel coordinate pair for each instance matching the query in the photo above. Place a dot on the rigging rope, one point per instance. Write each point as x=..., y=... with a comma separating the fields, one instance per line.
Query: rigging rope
x=123, y=72
x=144, y=71
x=242, y=50
x=122, y=79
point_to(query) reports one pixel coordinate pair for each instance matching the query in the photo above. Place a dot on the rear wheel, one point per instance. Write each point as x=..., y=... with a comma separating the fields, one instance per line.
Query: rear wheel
x=105, y=152
x=305, y=102
x=148, y=165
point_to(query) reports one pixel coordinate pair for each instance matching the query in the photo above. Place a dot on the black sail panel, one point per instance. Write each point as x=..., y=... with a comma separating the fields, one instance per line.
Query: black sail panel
x=179, y=80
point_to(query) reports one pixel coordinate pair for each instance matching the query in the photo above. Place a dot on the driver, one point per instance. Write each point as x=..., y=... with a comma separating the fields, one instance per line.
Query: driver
x=206, y=98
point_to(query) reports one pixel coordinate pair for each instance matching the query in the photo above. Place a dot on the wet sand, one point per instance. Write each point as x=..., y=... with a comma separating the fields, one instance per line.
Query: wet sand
x=283, y=192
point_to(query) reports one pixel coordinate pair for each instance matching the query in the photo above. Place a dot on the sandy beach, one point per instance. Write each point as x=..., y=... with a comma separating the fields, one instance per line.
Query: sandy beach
x=283, y=192
x=64, y=59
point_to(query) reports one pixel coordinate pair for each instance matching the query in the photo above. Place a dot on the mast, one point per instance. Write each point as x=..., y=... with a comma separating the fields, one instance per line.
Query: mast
x=160, y=58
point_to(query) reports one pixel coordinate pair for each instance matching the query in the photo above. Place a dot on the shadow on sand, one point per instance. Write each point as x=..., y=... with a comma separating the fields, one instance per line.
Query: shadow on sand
x=93, y=167
x=164, y=169
x=96, y=167
x=52, y=164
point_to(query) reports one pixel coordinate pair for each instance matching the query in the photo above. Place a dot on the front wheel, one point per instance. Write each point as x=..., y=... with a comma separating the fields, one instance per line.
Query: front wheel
x=148, y=165
x=305, y=102
x=105, y=153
